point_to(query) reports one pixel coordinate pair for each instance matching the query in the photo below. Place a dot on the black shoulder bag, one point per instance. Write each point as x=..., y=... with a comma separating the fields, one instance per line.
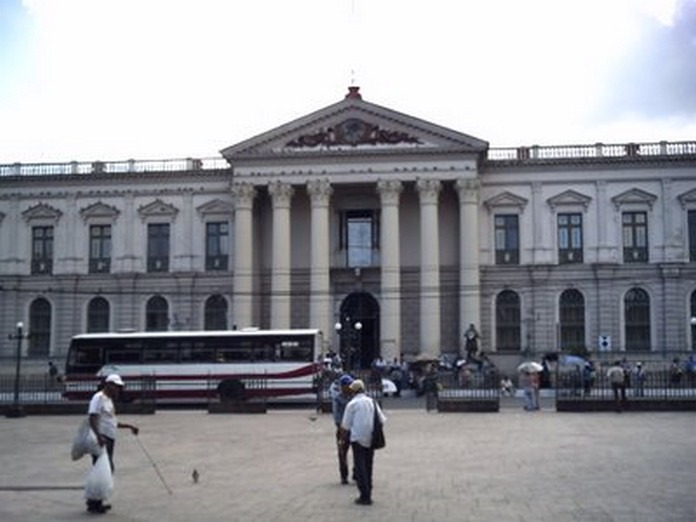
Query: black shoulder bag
x=378, y=441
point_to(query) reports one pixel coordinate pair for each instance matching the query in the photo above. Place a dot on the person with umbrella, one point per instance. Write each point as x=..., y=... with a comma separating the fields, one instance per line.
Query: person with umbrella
x=529, y=382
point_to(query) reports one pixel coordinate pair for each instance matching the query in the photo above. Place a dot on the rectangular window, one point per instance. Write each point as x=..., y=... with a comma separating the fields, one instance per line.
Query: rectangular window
x=692, y=235
x=217, y=246
x=42, y=250
x=507, y=250
x=99, y=249
x=635, y=237
x=569, y=238
x=359, y=236
x=158, y=247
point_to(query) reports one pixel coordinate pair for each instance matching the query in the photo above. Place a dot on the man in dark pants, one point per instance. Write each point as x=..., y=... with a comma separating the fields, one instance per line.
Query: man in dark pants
x=617, y=377
x=102, y=420
x=358, y=419
x=340, y=397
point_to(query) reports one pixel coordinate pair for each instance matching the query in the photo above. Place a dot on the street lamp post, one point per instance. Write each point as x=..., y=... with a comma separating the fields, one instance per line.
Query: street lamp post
x=358, y=328
x=351, y=331
x=16, y=410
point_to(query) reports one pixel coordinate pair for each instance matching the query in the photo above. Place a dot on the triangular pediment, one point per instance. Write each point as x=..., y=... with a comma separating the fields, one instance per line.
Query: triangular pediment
x=569, y=198
x=99, y=210
x=634, y=196
x=506, y=199
x=42, y=211
x=158, y=208
x=354, y=126
x=687, y=199
x=216, y=207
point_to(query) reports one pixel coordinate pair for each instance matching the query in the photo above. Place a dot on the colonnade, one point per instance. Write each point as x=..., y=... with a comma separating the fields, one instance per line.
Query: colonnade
x=320, y=305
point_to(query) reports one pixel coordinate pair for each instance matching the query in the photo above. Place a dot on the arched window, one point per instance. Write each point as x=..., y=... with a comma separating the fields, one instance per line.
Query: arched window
x=215, y=313
x=157, y=314
x=39, y=328
x=572, y=319
x=507, y=321
x=637, y=320
x=98, y=315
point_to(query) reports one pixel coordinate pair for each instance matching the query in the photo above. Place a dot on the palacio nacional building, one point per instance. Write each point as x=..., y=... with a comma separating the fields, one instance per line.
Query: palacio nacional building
x=399, y=230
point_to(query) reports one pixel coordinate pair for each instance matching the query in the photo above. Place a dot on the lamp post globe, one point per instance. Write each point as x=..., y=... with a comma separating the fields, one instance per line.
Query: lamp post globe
x=16, y=411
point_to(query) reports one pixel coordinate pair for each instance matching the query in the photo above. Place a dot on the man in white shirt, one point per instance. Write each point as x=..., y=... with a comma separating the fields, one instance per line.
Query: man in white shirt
x=102, y=420
x=358, y=419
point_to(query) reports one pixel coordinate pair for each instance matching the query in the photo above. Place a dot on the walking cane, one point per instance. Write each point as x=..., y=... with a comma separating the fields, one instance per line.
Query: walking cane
x=154, y=465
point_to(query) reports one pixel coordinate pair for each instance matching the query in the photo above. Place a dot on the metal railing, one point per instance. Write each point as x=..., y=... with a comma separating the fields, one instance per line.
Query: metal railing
x=113, y=167
x=659, y=384
x=469, y=384
x=597, y=150
x=501, y=154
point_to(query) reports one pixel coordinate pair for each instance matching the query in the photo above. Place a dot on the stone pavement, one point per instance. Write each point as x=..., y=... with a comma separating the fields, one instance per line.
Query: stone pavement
x=508, y=466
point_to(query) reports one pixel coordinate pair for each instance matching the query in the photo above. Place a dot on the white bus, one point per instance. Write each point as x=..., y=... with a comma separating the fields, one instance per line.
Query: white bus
x=200, y=365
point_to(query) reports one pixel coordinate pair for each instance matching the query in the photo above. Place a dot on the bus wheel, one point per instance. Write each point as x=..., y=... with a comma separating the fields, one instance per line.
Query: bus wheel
x=231, y=390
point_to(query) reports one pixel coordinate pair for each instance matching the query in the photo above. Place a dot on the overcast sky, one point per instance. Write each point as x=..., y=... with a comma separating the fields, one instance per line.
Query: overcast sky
x=150, y=79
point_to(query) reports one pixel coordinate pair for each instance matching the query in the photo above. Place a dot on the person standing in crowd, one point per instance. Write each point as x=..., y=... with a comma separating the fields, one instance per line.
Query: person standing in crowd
x=358, y=420
x=617, y=377
x=340, y=397
x=529, y=382
x=639, y=380
x=102, y=420
x=430, y=386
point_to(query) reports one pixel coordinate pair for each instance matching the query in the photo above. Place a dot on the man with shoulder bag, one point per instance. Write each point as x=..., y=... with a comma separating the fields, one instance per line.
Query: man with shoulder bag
x=359, y=419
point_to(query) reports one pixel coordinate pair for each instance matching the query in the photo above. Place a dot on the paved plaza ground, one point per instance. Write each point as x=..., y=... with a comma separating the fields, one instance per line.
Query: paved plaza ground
x=281, y=466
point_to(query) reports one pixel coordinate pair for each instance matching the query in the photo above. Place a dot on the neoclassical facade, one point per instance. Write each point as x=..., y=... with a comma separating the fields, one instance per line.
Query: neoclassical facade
x=401, y=231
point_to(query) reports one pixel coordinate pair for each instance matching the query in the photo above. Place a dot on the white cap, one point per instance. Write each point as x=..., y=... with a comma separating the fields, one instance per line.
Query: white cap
x=116, y=379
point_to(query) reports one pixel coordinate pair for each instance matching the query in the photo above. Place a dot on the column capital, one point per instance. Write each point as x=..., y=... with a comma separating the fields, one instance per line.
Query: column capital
x=244, y=193
x=320, y=191
x=468, y=189
x=429, y=190
x=390, y=190
x=281, y=193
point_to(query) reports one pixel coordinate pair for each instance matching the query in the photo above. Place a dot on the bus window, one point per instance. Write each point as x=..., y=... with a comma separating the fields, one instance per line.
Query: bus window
x=160, y=355
x=264, y=352
x=198, y=352
x=299, y=350
x=88, y=356
x=234, y=354
x=122, y=356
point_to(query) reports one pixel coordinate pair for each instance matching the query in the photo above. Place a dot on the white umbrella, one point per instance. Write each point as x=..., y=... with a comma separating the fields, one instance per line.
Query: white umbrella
x=530, y=367
x=388, y=387
x=573, y=359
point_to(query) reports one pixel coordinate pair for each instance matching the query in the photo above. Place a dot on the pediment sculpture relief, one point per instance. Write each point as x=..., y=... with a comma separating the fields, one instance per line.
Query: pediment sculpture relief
x=352, y=131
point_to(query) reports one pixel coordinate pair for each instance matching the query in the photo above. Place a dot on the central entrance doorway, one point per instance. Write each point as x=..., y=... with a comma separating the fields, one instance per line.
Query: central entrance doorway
x=358, y=330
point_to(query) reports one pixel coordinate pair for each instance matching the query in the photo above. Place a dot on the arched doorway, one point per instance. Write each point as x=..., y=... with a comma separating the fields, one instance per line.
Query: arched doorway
x=359, y=330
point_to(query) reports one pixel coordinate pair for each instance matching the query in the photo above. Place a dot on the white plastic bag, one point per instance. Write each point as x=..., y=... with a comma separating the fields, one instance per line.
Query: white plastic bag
x=99, y=482
x=85, y=442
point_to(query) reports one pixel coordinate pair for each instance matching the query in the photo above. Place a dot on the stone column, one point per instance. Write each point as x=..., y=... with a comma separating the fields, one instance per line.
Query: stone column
x=130, y=233
x=469, y=275
x=281, y=196
x=605, y=251
x=184, y=257
x=319, y=301
x=670, y=230
x=390, y=316
x=243, y=194
x=429, y=192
